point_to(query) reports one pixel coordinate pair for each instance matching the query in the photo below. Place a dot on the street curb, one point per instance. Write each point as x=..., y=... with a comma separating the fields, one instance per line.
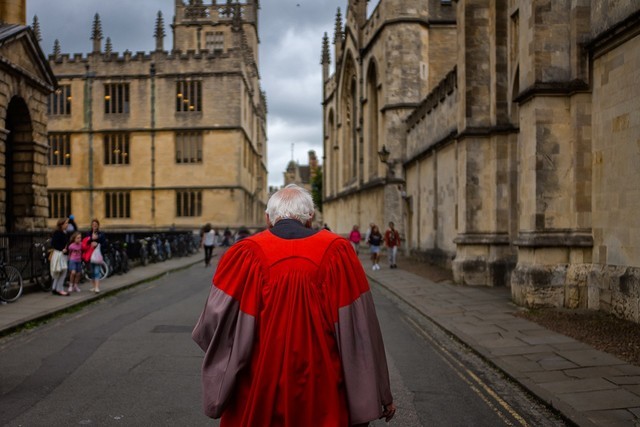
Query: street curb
x=49, y=314
x=546, y=398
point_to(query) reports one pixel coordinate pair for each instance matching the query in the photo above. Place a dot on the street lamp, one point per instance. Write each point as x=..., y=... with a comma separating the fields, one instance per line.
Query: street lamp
x=384, y=158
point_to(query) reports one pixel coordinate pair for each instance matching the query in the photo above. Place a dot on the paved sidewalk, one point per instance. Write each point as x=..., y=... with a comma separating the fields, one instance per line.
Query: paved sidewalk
x=588, y=386
x=37, y=305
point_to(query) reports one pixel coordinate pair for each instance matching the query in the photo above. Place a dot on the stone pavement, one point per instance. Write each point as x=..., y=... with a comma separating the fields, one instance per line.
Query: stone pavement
x=586, y=385
x=37, y=305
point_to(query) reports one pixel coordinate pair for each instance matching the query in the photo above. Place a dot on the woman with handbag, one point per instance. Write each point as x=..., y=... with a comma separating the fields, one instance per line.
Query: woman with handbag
x=92, y=253
x=58, y=262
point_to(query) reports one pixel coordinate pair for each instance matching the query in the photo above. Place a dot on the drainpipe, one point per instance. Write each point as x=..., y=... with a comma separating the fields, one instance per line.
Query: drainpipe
x=88, y=124
x=152, y=72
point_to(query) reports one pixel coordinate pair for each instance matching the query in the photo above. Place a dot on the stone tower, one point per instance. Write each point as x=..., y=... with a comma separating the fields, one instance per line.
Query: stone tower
x=171, y=138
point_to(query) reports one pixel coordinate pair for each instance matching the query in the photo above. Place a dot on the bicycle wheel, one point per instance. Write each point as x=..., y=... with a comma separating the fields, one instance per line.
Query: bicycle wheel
x=10, y=283
x=104, y=271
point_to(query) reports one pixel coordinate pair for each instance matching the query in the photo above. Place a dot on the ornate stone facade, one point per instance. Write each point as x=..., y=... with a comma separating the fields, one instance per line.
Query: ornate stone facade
x=518, y=161
x=25, y=82
x=166, y=138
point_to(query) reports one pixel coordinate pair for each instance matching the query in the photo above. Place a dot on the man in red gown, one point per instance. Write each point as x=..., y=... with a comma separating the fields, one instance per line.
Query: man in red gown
x=290, y=332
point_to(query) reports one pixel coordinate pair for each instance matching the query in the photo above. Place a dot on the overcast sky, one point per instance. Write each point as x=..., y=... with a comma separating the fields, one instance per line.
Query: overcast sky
x=291, y=41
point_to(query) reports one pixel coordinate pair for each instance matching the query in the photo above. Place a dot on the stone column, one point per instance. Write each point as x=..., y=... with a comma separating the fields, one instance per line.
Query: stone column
x=554, y=235
x=483, y=253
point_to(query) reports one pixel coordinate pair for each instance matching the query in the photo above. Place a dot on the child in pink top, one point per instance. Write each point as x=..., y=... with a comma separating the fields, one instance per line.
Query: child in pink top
x=75, y=261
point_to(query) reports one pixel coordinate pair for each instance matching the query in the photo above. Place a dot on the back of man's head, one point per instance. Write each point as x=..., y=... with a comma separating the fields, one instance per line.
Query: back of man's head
x=291, y=202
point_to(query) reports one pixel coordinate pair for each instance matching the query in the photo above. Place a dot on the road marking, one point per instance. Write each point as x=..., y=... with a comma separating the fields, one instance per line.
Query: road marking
x=470, y=378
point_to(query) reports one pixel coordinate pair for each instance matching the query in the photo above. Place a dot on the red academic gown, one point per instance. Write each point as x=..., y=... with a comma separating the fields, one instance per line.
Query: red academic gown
x=291, y=336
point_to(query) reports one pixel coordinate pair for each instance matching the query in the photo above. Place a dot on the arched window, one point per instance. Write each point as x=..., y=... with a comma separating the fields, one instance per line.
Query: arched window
x=372, y=120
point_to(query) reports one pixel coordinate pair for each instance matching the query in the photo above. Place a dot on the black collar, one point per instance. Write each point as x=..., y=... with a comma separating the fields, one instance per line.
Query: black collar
x=291, y=229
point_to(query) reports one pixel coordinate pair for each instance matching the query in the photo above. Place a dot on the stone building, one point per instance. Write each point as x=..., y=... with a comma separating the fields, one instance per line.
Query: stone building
x=25, y=82
x=168, y=138
x=302, y=175
x=385, y=64
x=518, y=166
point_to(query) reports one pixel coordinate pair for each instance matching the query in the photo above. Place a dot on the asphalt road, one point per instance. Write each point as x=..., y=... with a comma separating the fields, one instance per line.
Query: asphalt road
x=129, y=360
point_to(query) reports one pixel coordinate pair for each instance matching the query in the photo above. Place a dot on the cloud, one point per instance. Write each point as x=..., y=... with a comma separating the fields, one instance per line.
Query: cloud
x=290, y=34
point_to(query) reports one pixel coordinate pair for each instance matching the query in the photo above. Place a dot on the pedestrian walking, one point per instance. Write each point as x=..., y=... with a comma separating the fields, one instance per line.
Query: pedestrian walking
x=208, y=242
x=58, y=263
x=392, y=242
x=290, y=330
x=368, y=233
x=75, y=261
x=226, y=237
x=375, y=241
x=94, y=241
x=354, y=238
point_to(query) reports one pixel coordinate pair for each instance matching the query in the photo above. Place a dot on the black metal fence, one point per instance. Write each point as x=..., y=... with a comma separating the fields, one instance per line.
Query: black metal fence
x=28, y=251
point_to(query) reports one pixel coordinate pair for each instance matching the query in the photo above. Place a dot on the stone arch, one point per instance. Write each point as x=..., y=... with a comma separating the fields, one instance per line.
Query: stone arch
x=19, y=171
x=349, y=120
x=372, y=119
x=332, y=173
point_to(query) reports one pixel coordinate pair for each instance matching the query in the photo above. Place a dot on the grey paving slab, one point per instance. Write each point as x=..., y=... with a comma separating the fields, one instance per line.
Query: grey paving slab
x=556, y=363
x=601, y=399
x=591, y=357
x=520, y=350
x=613, y=418
x=547, y=376
x=624, y=380
x=578, y=385
x=595, y=372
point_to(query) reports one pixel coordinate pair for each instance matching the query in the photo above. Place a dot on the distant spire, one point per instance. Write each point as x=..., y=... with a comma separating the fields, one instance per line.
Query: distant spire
x=96, y=34
x=337, y=35
x=159, y=34
x=325, y=59
x=56, y=48
x=36, y=28
x=108, y=48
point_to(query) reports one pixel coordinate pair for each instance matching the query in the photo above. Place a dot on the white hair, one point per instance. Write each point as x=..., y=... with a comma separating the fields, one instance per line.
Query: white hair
x=291, y=202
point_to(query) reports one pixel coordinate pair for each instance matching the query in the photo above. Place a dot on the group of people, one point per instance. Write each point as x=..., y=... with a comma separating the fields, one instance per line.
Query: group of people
x=210, y=238
x=69, y=250
x=375, y=239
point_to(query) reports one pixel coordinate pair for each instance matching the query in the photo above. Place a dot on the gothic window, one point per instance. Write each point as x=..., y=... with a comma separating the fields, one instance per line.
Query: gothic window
x=188, y=203
x=372, y=106
x=60, y=101
x=189, y=147
x=59, y=149
x=117, y=204
x=116, y=149
x=354, y=129
x=214, y=41
x=116, y=98
x=59, y=204
x=188, y=96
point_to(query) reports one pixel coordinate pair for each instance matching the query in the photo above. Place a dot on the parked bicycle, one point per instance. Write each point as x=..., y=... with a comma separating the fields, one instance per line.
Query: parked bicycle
x=10, y=281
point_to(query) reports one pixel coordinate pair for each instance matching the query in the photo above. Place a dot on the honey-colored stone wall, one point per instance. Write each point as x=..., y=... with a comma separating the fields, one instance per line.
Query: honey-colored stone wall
x=616, y=155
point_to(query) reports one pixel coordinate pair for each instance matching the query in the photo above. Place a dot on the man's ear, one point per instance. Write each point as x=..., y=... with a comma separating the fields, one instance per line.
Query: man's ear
x=266, y=219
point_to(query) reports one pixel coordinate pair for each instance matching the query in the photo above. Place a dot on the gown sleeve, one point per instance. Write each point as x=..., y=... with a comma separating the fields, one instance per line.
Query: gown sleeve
x=358, y=333
x=226, y=328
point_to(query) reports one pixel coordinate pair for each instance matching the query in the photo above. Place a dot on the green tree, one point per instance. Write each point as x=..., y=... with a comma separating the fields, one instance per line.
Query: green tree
x=316, y=189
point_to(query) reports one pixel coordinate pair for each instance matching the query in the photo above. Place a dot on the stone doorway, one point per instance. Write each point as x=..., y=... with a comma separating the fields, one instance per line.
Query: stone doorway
x=19, y=148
